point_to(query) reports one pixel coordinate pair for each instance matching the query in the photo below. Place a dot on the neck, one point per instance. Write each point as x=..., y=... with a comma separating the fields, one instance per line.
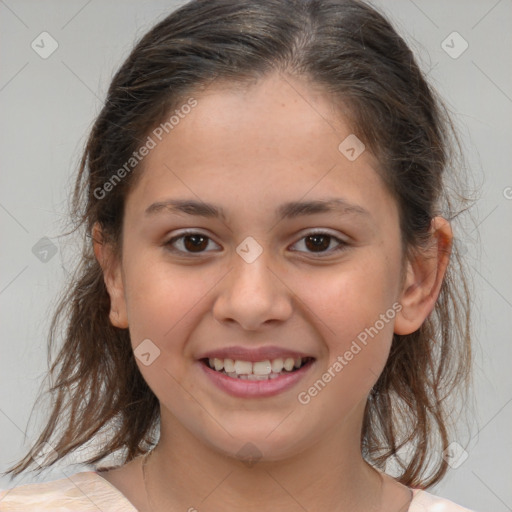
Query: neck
x=184, y=474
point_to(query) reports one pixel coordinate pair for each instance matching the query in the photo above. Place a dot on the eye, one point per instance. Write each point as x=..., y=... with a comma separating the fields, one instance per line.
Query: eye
x=194, y=243
x=189, y=243
x=319, y=242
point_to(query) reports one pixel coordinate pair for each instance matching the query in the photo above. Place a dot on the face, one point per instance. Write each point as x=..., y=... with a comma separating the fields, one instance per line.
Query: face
x=255, y=279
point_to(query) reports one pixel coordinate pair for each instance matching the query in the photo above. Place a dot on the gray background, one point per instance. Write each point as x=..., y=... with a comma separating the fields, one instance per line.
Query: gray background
x=48, y=105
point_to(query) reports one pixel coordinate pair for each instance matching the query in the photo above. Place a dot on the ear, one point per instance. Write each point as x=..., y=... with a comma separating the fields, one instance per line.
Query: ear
x=424, y=277
x=112, y=276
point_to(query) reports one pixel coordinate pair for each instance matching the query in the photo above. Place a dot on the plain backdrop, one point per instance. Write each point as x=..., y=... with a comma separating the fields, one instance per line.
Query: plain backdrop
x=48, y=105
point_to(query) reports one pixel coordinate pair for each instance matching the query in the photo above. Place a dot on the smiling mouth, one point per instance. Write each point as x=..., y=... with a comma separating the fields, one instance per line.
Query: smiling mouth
x=257, y=370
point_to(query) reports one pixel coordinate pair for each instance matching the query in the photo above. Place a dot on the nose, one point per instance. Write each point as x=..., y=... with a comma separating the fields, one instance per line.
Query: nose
x=253, y=295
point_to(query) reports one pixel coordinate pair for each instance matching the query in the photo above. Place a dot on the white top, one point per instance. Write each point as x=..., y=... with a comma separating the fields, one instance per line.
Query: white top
x=87, y=491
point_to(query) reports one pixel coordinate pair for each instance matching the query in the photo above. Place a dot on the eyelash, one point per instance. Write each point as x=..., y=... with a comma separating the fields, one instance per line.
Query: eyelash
x=341, y=243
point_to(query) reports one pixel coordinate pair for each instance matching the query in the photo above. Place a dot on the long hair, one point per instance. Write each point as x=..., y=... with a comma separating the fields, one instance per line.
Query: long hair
x=350, y=50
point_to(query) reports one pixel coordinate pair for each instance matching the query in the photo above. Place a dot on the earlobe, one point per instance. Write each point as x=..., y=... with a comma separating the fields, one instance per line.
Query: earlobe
x=112, y=277
x=424, y=277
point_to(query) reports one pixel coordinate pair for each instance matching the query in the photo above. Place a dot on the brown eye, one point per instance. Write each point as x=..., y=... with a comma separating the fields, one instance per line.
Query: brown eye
x=321, y=243
x=318, y=242
x=189, y=243
x=195, y=243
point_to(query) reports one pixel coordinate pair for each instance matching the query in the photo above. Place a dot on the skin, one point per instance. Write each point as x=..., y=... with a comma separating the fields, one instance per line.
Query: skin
x=248, y=151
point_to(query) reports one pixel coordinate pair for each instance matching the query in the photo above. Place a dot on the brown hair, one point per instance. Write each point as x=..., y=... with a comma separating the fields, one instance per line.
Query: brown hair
x=352, y=51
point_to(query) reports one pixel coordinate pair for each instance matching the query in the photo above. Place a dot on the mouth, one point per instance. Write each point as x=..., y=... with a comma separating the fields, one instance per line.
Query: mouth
x=266, y=369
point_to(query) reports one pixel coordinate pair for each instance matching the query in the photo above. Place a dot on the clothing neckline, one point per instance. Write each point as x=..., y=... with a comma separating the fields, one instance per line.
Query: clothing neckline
x=114, y=490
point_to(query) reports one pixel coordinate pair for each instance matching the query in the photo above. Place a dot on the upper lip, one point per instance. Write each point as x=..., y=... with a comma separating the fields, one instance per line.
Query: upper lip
x=252, y=354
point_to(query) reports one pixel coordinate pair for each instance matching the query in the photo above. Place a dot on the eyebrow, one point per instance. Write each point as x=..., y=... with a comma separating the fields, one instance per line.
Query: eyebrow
x=288, y=210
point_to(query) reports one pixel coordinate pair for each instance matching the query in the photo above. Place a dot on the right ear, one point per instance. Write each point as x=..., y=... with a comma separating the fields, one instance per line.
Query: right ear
x=112, y=276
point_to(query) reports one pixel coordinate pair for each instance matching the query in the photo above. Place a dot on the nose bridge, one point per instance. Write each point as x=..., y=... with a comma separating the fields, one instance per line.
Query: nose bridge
x=252, y=294
x=251, y=265
x=253, y=275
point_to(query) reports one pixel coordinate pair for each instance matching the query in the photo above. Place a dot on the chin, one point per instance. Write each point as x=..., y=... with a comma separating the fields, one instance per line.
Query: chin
x=251, y=445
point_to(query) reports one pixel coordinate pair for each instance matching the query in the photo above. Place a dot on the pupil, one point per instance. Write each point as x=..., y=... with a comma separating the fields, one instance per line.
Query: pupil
x=197, y=242
x=319, y=241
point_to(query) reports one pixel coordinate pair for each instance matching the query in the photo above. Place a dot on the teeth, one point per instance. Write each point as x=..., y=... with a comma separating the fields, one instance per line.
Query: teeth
x=259, y=370
x=277, y=365
x=229, y=365
x=256, y=377
x=289, y=363
x=243, y=367
x=262, y=368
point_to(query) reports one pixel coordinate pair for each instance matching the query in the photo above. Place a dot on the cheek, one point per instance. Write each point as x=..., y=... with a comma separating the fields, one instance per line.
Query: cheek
x=354, y=310
x=357, y=329
x=351, y=297
x=164, y=301
x=163, y=309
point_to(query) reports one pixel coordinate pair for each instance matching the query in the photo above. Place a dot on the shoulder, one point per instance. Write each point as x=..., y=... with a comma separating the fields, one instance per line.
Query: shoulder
x=423, y=501
x=84, y=492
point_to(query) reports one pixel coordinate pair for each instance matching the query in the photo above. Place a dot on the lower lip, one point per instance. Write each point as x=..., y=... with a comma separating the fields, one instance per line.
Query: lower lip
x=255, y=388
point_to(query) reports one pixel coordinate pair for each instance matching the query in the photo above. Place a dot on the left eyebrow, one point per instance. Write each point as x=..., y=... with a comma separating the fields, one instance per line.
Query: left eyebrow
x=288, y=210
x=338, y=205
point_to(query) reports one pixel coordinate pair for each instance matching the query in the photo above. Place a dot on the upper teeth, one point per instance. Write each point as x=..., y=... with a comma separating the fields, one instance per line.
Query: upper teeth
x=257, y=368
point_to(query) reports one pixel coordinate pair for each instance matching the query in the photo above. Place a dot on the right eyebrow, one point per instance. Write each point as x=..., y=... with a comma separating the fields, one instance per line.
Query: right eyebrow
x=288, y=210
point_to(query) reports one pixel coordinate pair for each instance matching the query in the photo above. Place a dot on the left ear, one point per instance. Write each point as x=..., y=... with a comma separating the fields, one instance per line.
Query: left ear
x=425, y=274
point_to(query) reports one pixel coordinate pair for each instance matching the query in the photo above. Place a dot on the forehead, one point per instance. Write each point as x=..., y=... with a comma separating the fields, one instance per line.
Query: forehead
x=256, y=144
x=259, y=118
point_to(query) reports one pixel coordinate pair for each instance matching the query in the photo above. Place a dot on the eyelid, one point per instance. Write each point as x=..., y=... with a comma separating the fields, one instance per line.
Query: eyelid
x=323, y=231
x=184, y=233
x=342, y=243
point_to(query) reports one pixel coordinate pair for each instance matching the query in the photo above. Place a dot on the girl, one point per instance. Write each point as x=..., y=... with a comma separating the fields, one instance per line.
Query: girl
x=265, y=313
